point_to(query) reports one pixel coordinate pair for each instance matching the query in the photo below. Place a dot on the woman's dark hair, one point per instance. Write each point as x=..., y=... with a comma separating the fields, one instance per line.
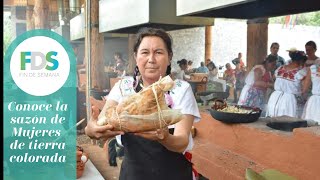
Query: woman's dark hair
x=273, y=44
x=270, y=59
x=298, y=56
x=144, y=32
x=153, y=32
x=312, y=44
x=118, y=54
x=211, y=64
x=190, y=62
x=182, y=62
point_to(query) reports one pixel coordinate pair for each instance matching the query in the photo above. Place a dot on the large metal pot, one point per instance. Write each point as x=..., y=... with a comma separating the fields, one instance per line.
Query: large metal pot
x=228, y=117
x=287, y=126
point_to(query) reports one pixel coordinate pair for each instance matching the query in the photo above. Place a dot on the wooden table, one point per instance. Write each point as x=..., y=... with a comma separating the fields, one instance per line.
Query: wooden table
x=198, y=86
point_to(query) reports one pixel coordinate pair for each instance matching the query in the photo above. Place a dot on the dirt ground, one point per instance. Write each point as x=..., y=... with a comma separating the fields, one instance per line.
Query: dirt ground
x=109, y=172
x=83, y=139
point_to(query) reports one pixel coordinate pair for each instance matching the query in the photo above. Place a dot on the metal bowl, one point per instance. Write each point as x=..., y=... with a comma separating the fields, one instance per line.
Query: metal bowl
x=287, y=126
x=227, y=117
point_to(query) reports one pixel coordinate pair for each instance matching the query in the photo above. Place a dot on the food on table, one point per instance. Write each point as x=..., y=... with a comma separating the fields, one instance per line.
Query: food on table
x=236, y=109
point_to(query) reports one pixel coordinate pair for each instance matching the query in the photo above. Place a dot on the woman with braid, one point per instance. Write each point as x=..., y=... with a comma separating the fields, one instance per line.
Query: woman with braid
x=160, y=154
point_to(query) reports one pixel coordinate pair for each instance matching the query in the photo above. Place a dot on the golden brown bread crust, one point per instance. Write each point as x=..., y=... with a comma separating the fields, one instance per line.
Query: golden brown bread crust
x=140, y=111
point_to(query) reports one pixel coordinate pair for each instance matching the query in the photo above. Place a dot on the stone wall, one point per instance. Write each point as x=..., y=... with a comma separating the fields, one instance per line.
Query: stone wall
x=229, y=37
x=188, y=44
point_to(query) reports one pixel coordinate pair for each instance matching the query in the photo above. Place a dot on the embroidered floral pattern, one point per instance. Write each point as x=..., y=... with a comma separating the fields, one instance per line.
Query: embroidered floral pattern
x=287, y=74
x=179, y=83
x=169, y=100
x=126, y=87
x=255, y=98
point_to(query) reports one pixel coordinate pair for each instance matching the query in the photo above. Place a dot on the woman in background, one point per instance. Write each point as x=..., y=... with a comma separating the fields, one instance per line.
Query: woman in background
x=311, y=49
x=240, y=74
x=257, y=82
x=213, y=78
x=311, y=109
x=229, y=77
x=180, y=74
x=189, y=69
x=287, y=98
x=274, y=49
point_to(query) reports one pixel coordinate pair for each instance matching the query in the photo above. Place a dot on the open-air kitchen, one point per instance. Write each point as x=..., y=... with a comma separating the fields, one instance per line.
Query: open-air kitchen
x=250, y=116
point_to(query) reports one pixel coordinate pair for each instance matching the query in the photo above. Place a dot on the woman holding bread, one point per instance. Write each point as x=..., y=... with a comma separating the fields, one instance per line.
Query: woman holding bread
x=158, y=154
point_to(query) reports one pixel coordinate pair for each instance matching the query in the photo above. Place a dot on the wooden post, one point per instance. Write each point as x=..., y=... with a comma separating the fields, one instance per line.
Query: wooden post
x=41, y=14
x=97, y=75
x=131, y=60
x=257, y=41
x=29, y=18
x=66, y=6
x=208, y=35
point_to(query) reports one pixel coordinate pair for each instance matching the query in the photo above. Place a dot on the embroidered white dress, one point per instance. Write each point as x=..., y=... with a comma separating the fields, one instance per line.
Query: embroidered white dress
x=312, y=107
x=253, y=96
x=286, y=99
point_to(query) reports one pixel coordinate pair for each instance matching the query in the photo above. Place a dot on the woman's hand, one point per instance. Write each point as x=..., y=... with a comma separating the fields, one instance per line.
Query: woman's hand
x=177, y=142
x=158, y=135
x=95, y=131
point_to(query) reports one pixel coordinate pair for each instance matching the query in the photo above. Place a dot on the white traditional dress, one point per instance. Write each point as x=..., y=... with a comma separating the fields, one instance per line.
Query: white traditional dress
x=254, y=96
x=312, y=107
x=286, y=99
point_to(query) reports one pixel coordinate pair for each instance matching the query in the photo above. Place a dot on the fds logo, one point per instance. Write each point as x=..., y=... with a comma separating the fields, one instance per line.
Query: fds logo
x=40, y=62
x=47, y=60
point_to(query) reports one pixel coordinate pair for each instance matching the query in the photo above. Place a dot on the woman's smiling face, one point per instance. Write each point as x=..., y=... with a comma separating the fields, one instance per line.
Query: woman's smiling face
x=152, y=59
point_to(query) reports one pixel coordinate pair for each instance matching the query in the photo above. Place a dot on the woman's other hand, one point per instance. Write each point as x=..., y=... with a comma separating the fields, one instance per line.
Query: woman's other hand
x=94, y=131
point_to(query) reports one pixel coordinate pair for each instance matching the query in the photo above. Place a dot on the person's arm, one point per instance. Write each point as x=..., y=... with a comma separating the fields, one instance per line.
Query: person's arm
x=258, y=80
x=224, y=75
x=94, y=131
x=306, y=83
x=186, y=77
x=233, y=77
x=215, y=72
x=177, y=142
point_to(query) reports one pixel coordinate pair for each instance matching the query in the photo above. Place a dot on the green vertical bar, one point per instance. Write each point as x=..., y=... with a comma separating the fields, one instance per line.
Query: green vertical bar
x=57, y=160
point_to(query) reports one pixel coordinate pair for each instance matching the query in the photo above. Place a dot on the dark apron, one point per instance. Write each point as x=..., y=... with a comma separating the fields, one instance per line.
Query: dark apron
x=149, y=160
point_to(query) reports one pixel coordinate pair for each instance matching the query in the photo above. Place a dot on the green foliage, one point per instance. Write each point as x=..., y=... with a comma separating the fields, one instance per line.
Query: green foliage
x=309, y=19
x=7, y=32
x=268, y=174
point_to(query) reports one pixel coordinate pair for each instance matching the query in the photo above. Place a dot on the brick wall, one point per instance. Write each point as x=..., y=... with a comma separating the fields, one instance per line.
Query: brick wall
x=224, y=151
